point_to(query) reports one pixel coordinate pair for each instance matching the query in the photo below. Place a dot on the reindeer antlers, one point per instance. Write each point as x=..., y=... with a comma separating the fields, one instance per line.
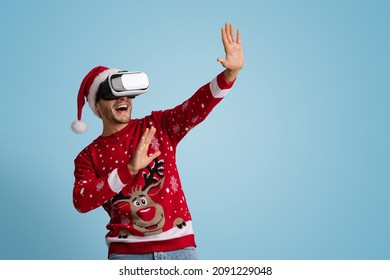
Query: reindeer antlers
x=157, y=168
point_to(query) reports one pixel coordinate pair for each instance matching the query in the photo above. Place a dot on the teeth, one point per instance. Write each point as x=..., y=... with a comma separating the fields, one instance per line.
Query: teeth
x=122, y=107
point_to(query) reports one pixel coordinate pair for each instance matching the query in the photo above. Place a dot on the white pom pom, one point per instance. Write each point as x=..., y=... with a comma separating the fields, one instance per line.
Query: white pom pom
x=79, y=127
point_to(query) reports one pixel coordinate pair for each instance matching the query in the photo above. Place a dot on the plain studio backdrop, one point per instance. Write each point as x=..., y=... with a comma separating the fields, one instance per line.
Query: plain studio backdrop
x=293, y=164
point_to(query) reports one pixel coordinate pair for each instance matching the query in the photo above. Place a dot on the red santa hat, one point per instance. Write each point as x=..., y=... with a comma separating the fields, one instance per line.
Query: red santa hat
x=88, y=90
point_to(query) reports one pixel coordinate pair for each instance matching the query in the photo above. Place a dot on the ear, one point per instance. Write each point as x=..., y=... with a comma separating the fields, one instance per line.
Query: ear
x=155, y=188
x=97, y=107
x=97, y=104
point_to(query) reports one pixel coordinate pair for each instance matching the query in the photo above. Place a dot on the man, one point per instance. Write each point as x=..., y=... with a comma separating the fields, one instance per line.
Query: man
x=130, y=169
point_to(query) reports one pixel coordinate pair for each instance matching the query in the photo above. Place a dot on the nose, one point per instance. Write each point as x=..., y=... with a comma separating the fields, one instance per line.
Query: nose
x=125, y=98
x=147, y=214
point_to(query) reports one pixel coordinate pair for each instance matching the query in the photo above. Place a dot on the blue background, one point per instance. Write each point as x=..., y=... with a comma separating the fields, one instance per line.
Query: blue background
x=293, y=164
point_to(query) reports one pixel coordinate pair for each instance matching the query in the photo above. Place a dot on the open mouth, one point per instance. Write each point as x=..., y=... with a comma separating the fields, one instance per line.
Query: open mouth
x=122, y=108
x=152, y=227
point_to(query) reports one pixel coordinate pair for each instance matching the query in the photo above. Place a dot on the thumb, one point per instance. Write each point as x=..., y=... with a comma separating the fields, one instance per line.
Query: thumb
x=221, y=60
x=153, y=156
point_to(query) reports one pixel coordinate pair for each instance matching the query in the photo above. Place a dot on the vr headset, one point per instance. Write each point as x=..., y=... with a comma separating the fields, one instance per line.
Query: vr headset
x=123, y=83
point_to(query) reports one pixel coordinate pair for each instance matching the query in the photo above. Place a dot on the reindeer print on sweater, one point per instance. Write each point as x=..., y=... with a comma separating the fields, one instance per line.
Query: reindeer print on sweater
x=147, y=216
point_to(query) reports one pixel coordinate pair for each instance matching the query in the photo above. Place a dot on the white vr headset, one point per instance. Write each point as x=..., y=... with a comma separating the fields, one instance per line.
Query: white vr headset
x=123, y=83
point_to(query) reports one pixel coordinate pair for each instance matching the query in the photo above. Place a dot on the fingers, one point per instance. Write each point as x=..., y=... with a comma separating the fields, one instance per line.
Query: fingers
x=144, y=142
x=153, y=156
x=229, y=40
x=224, y=37
x=231, y=31
x=147, y=136
x=140, y=158
x=228, y=34
x=238, y=36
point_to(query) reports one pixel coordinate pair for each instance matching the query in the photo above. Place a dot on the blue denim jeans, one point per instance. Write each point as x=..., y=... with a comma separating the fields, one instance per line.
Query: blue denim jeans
x=188, y=253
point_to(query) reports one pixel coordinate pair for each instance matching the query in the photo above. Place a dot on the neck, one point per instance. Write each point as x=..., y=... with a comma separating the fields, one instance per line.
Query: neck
x=112, y=128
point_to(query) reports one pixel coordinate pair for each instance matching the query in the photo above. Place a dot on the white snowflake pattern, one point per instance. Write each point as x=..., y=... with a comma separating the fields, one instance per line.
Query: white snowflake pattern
x=99, y=186
x=176, y=128
x=174, y=184
x=155, y=145
x=125, y=220
x=195, y=119
x=185, y=105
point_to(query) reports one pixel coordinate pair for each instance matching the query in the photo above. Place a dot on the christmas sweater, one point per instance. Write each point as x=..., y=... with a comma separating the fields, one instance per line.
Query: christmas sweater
x=148, y=211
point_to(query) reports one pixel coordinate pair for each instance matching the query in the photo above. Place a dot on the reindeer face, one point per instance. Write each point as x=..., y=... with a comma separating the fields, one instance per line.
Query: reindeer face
x=148, y=216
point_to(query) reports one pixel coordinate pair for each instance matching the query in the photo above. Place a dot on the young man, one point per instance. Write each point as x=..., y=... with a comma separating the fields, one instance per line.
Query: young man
x=130, y=169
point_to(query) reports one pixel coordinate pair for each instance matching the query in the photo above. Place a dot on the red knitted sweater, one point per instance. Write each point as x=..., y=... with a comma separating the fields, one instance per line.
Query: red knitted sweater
x=148, y=212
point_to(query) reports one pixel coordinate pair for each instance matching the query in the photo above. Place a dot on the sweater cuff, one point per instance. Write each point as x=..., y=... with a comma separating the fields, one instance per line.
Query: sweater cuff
x=118, y=178
x=220, y=87
x=222, y=83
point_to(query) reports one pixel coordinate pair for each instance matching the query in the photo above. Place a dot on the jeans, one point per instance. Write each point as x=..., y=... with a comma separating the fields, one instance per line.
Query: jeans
x=188, y=253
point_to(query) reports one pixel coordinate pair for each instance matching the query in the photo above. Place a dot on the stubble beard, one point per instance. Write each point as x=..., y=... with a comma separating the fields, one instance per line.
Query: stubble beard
x=114, y=119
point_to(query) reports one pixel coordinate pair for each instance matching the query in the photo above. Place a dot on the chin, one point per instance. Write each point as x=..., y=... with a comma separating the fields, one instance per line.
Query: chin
x=123, y=120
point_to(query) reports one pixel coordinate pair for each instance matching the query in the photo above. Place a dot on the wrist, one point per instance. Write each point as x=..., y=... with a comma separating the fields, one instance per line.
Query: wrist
x=230, y=75
x=132, y=171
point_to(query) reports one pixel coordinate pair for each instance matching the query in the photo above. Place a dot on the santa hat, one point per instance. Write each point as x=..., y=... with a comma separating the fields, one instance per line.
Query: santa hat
x=88, y=90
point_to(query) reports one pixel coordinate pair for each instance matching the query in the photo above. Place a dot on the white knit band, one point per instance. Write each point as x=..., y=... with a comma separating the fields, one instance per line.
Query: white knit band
x=216, y=91
x=95, y=86
x=115, y=182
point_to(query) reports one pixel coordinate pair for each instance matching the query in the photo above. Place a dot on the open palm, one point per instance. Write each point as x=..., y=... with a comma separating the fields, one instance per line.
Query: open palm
x=234, y=60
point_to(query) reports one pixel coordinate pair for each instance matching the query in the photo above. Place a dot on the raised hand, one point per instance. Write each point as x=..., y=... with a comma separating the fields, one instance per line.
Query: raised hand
x=234, y=60
x=140, y=158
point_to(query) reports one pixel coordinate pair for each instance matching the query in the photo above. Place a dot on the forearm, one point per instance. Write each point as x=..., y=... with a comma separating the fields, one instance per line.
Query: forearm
x=181, y=119
x=90, y=192
x=88, y=195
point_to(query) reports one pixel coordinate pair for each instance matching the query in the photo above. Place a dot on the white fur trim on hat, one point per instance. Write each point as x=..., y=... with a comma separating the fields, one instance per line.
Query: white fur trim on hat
x=95, y=86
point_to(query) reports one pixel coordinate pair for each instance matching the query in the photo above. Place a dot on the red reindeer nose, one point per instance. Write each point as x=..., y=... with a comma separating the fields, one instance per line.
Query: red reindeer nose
x=147, y=213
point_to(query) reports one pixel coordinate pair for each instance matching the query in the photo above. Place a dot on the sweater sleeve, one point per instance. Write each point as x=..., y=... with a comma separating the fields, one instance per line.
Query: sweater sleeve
x=178, y=121
x=90, y=191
